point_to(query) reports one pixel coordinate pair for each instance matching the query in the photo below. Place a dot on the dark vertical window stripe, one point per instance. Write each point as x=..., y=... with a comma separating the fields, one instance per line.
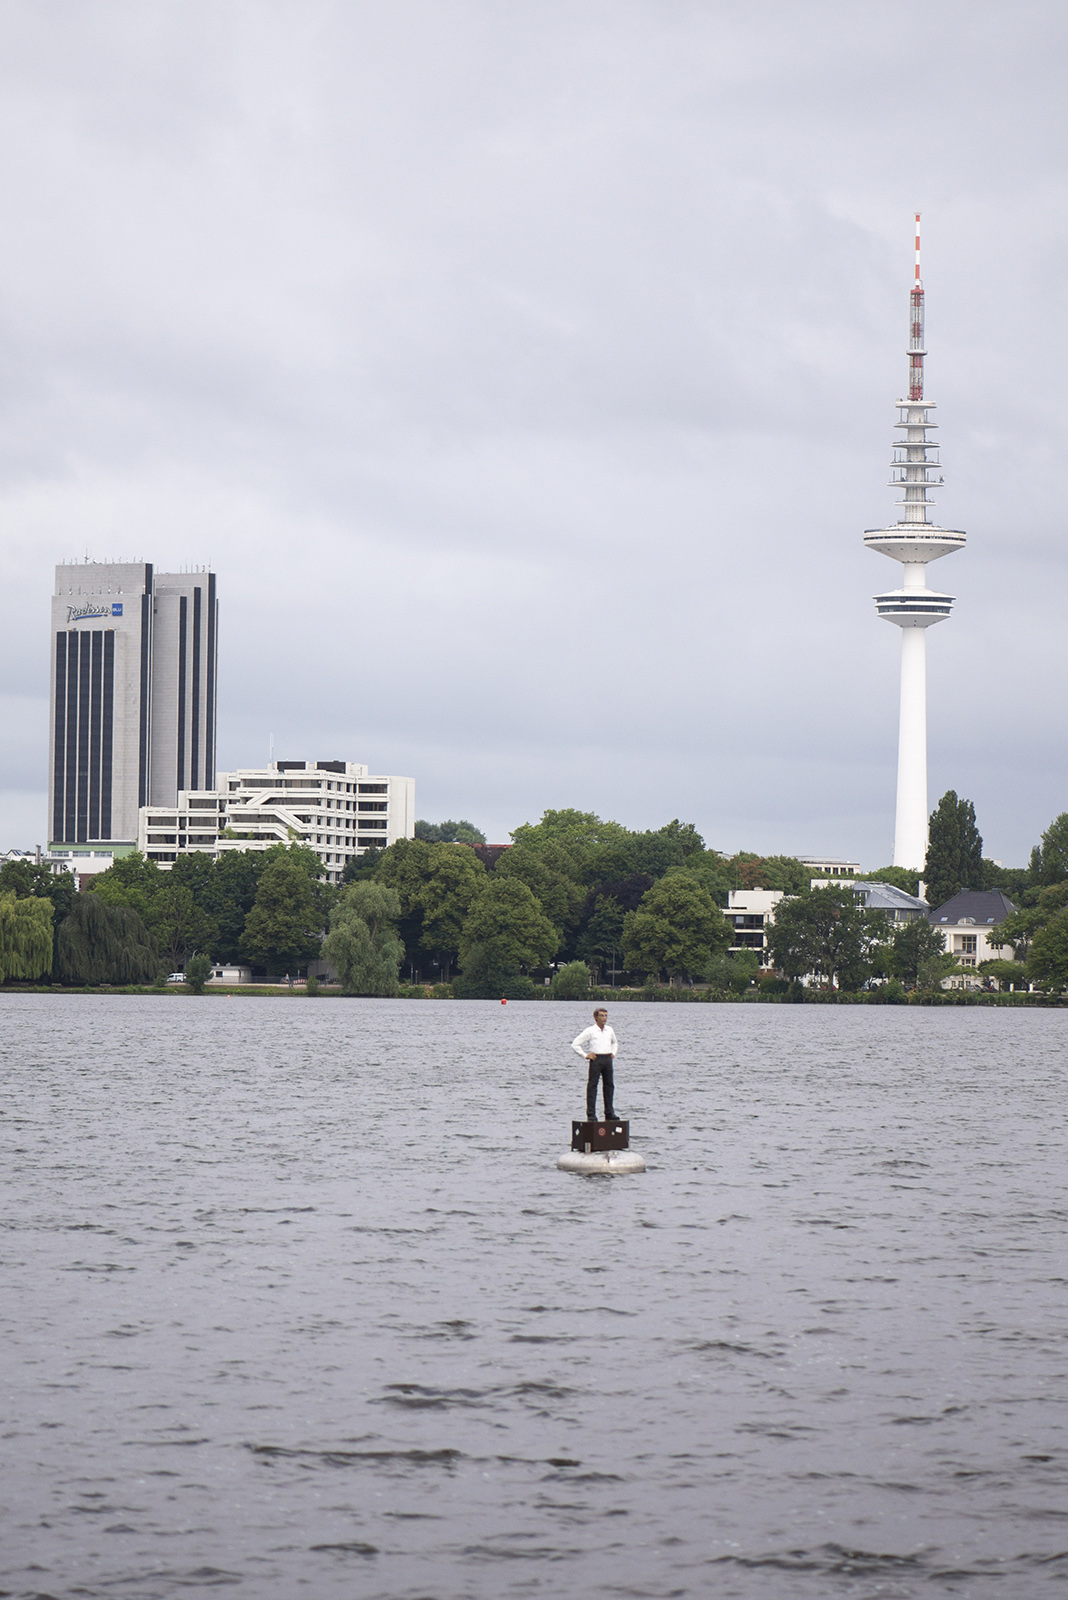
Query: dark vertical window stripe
x=194, y=717
x=183, y=609
x=70, y=796
x=146, y=641
x=107, y=715
x=83, y=737
x=59, y=736
x=209, y=688
x=95, y=694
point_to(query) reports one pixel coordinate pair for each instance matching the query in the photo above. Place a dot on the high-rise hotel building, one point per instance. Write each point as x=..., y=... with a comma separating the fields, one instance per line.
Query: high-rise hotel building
x=134, y=656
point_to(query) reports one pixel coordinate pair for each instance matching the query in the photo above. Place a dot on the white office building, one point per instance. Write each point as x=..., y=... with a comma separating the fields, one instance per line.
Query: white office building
x=132, y=700
x=337, y=808
x=751, y=913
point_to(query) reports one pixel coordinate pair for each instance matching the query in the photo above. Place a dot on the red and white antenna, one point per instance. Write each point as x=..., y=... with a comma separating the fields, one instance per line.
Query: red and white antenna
x=916, y=347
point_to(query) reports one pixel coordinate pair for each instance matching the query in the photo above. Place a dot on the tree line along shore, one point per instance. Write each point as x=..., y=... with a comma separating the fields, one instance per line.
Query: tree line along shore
x=589, y=905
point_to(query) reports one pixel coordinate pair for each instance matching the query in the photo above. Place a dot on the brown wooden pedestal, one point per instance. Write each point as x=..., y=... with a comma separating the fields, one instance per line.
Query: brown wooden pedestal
x=605, y=1135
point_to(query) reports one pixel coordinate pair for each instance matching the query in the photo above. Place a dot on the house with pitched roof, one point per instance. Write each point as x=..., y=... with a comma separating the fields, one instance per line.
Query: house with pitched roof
x=970, y=921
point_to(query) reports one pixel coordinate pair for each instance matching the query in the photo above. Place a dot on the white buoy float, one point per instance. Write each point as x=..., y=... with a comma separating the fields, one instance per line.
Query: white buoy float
x=601, y=1147
x=601, y=1161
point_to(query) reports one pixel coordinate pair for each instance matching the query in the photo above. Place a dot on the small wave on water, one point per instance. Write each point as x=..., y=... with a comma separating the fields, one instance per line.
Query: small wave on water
x=295, y=1301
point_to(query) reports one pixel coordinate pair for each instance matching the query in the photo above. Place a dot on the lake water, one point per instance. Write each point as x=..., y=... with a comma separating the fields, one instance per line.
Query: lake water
x=295, y=1303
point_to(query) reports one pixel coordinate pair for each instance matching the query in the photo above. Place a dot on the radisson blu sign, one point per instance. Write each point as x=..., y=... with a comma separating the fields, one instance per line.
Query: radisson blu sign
x=80, y=613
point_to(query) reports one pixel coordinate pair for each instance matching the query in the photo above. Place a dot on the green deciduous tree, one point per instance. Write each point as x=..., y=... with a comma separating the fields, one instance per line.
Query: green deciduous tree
x=436, y=884
x=362, y=943
x=227, y=897
x=1047, y=964
x=1012, y=881
x=453, y=878
x=735, y=974
x=560, y=896
x=358, y=868
x=1016, y=931
x=26, y=880
x=130, y=881
x=25, y=937
x=1009, y=974
x=198, y=971
x=505, y=930
x=102, y=943
x=178, y=925
x=676, y=929
x=283, y=930
x=954, y=850
x=913, y=946
x=827, y=932
x=571, y=982
x=170, y=904
x=601, y=940
x=1049, y=860
x=450, y=832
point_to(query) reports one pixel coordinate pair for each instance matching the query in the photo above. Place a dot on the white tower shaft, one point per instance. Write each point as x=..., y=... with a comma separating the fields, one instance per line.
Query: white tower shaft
x=910, y=823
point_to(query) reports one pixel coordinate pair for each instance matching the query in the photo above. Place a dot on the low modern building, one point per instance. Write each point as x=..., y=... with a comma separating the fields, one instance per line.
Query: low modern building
x=970, y=921
x=896, y=903
x=830, y=867
x=893, y=902
x=336, y=808
x=752, y=911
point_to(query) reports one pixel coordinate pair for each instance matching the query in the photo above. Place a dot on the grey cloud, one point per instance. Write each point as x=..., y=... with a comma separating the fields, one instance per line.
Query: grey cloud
x=526, y=373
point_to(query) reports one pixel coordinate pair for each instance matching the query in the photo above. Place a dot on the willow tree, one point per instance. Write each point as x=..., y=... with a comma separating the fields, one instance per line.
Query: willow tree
x=101, y=943
x=25, y=937
x=362, y=943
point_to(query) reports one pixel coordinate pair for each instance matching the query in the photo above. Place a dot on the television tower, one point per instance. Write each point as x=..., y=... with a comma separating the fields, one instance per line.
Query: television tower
x=914, y=541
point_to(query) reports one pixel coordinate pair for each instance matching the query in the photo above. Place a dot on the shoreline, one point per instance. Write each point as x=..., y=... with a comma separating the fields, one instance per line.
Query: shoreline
x=666, y=996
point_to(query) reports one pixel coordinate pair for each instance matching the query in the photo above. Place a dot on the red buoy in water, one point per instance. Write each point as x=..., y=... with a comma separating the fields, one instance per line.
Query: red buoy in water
x=504, y=1002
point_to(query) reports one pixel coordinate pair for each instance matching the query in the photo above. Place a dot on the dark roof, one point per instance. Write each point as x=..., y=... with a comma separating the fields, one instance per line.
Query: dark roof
x=982, y=906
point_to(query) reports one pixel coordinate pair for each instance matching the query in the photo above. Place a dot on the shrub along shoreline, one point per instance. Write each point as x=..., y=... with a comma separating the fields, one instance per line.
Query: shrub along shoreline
x=665, y=996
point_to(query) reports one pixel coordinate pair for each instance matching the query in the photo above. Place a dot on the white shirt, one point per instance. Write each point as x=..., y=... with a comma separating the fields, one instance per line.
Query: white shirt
x=596, y=1041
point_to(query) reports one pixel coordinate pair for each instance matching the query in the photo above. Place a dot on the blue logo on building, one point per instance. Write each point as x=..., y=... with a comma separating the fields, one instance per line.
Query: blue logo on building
x=116, y=608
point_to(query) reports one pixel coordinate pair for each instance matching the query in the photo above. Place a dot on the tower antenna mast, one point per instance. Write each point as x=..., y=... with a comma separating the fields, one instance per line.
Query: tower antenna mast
x=916, y=349
x=914, y=541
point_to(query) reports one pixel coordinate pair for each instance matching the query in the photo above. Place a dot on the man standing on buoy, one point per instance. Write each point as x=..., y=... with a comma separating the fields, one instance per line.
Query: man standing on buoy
x=598, y=1046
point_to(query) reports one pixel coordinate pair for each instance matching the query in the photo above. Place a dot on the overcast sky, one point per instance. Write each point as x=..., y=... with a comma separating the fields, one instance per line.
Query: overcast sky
x=525, y=371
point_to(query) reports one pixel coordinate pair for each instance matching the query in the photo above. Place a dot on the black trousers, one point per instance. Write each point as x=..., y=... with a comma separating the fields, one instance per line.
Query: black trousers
x=600, y=1068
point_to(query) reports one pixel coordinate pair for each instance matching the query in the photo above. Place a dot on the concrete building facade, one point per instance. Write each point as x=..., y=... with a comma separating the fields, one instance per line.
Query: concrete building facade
x=132, y=697
x=751, y=913
x=337, y=808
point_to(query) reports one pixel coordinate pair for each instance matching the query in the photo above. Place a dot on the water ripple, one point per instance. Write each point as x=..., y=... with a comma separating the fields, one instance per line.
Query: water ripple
x=264, y=1331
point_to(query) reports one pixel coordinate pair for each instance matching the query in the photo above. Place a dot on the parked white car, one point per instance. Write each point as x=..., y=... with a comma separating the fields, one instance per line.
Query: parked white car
x=176, y=977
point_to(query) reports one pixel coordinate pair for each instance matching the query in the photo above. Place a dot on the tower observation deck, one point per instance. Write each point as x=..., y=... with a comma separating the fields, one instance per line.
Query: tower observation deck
x=914, y=541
